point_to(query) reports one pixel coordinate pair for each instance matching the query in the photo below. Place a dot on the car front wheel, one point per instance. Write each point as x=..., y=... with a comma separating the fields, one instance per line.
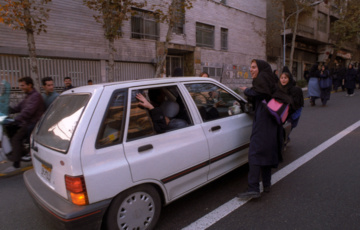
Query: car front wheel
x=136, y=208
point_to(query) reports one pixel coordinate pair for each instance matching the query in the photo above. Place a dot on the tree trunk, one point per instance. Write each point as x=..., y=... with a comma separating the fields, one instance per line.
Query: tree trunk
x=162, y=59
x=32, y=50
x=112, y=51
x=333, y=57
x=293, y=40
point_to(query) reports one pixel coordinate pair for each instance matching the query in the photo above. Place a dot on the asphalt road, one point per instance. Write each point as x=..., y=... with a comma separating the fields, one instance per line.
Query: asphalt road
x=321, y=194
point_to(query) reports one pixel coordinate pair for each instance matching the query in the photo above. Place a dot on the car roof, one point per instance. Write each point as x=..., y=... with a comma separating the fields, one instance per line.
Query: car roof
x=159, y=80
x=140, y=82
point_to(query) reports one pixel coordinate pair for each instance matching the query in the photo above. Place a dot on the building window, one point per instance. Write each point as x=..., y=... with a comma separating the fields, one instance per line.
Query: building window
x=179, y=17
x=224, y=39
x=213, y=72
x=322, y=22
x=223, y=2
x=205, y=35
x=144, y=25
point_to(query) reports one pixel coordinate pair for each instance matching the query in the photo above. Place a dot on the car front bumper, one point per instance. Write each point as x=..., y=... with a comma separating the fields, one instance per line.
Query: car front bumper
x=64, y=213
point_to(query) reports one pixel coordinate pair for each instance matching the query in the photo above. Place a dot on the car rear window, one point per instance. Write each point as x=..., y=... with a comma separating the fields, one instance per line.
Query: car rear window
x=59, y=123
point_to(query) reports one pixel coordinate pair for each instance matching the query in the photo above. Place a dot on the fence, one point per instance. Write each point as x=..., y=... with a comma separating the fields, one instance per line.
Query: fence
x=14, y=67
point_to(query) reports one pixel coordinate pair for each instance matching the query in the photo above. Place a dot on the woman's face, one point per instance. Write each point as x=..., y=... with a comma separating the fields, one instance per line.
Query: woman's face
x=284, y=80
x=254, y=71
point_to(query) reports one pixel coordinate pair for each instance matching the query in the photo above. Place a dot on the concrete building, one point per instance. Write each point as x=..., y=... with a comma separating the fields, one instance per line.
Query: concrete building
x=217, y=36
x=313, y=44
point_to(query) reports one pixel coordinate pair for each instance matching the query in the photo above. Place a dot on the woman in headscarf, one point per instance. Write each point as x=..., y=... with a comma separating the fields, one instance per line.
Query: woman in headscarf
x=313, y=86
x=350, y=80
x=266, y=138
x=325, y=85
x=287, y=84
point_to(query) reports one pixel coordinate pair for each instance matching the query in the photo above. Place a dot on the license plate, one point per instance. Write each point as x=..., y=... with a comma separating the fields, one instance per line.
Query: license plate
x=46, y=172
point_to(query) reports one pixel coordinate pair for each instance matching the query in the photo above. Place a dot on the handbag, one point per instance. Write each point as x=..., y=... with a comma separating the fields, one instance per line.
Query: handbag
x=277, y=110
x=325, y=82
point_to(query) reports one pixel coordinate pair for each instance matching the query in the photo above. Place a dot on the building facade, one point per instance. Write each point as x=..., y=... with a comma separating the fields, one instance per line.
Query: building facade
x=217, y=36
x=313, y=44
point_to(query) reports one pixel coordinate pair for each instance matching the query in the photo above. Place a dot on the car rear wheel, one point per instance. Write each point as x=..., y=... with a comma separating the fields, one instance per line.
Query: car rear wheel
x=136, y=208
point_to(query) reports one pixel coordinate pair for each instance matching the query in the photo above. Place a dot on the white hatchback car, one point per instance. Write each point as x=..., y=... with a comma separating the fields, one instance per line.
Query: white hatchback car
x=101, y=160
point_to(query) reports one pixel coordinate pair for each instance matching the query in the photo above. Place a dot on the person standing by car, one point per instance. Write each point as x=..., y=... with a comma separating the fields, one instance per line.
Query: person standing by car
x=49, y=95
x=266, y=138
x=350, y=80
x=68, y=85
x=30, y=110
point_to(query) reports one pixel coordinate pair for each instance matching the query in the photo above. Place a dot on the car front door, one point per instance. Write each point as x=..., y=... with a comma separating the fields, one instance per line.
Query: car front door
x=226, y=126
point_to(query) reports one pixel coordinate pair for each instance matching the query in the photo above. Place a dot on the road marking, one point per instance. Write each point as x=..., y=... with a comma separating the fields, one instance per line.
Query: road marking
x=225, y=209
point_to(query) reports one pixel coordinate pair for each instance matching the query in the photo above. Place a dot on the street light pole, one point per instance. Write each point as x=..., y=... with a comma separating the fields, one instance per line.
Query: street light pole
x=287, y=18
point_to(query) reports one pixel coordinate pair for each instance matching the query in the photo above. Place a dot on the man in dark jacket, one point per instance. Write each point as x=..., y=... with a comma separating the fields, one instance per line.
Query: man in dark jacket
x=68, y=84
x=29, y=112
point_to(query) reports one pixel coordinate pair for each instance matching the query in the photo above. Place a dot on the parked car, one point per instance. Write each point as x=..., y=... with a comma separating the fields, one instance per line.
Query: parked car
x=99, y=162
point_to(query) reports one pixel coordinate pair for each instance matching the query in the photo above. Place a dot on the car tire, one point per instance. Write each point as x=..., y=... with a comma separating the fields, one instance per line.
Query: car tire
x=135, y=208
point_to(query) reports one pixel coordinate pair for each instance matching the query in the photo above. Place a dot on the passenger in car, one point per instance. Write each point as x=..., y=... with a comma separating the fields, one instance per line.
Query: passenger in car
x=162, y=113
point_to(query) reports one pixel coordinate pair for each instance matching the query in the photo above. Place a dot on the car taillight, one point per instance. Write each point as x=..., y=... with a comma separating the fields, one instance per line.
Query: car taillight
x=76, y=189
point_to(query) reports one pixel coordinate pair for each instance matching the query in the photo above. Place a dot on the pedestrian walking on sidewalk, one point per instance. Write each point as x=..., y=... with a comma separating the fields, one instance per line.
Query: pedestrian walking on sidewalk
x=350, y=80
x=313, y=86
x=325, y=84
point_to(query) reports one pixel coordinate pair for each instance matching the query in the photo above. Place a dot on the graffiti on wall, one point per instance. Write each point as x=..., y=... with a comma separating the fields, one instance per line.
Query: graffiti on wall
x=235, y=74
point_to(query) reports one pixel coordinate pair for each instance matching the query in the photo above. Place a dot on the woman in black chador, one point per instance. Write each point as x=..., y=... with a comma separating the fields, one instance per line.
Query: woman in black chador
x=266, y=138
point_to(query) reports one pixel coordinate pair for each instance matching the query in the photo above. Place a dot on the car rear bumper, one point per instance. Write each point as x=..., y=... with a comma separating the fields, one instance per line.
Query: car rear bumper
x=64, y=213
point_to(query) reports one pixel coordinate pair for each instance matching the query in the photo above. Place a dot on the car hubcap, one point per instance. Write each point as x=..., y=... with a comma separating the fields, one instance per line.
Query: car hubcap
x=136, y=211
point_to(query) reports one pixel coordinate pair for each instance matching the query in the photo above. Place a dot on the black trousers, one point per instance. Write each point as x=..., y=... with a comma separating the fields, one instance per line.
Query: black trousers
x=254, y=177
x=350, y=91
x=17, y=144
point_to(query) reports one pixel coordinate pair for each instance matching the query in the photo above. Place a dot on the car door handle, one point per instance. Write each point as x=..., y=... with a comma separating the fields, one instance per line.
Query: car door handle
x=145, y=147
x=215, y=128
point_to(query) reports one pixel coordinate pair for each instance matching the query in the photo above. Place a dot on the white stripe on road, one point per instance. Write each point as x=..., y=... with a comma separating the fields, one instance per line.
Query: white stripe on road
x=225, y=209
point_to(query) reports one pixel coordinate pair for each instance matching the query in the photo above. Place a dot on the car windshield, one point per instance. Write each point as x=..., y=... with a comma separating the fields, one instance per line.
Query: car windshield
x=58, y=125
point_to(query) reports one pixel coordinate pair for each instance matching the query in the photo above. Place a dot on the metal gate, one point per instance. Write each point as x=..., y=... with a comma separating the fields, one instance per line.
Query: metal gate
x=14, y=67
x=124, y=71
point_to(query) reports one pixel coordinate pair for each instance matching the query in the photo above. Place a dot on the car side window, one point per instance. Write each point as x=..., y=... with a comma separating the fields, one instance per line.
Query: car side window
x=214, y=102
x=169, y=112
x=140, y=124
x=111, y=128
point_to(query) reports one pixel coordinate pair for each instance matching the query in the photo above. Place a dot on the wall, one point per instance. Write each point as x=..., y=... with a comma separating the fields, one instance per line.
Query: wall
x=73, y=33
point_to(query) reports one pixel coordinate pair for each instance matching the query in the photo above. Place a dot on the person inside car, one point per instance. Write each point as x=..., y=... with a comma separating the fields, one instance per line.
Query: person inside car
x=163, y=112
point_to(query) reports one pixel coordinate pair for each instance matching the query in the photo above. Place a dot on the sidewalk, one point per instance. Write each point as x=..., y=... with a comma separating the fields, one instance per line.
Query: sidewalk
x=5, y=163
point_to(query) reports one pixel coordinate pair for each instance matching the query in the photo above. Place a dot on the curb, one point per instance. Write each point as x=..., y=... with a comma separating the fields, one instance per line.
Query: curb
x=4, y=164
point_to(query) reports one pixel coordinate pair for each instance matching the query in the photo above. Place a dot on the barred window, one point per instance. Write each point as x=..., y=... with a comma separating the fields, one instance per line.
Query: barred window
x=205, y=35
x=213, y=72
x=179, y=17
x=144, y=25
x=224, y=39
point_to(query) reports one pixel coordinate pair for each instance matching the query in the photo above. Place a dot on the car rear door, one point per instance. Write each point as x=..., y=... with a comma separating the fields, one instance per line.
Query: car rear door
x=176, y=159
x=106, y=170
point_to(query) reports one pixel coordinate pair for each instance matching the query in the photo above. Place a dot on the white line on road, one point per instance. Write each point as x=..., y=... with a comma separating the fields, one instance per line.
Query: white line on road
x=225, y=209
